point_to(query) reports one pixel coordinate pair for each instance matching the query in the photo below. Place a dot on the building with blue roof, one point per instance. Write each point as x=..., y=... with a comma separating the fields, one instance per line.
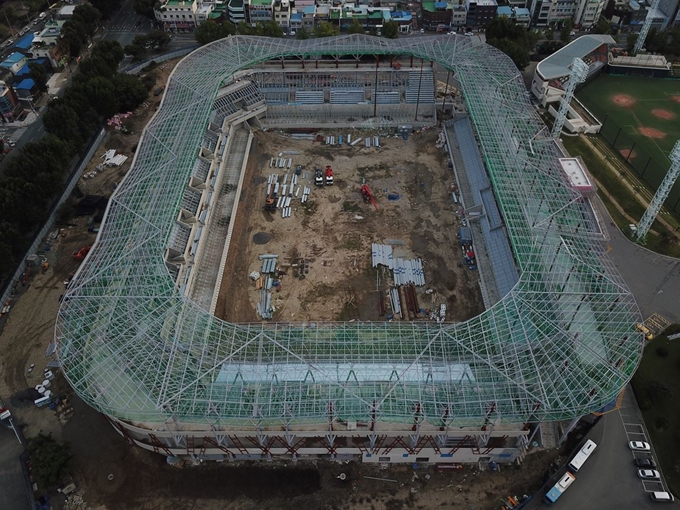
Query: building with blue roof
x=26, y=89
x=520, y=15
x=25, y=42
x=14, y=62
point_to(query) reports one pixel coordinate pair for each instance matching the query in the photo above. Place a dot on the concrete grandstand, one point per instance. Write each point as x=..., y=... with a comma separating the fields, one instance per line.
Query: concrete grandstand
x=137, y=339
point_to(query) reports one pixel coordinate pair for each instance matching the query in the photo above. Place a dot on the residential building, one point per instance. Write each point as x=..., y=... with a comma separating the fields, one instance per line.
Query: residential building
x=480, y=12
x=236, y=11
x=540, y=12
x=204, y=11
x=519, y=15
x=259, y=11
x=9, y=103
x=587, y=12
x=458, y=17
x=561, y=11
x=308, y=17
x=66, y=12
x=14, y=62
x=177, y=15
x=282, y=14
x=436, y=15
x=49, y=45
x=26, y=89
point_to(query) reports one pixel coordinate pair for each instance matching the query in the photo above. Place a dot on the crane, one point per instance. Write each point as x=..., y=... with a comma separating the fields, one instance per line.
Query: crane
x=639, y=44
x=579, y=73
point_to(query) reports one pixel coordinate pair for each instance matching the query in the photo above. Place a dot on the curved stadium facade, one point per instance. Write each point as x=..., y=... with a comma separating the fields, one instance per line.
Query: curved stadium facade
x=174, y=378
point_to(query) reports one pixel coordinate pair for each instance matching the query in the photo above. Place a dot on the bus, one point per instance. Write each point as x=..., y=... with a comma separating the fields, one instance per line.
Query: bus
x=558, y=489
x=582, y=456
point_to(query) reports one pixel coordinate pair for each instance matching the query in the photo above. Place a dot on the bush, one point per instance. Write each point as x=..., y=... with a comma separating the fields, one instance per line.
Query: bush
x=662, y=352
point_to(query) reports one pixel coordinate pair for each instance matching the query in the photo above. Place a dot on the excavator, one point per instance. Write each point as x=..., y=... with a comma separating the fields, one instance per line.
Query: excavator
x=270, y=202
x=79, y=255
x=368, y=196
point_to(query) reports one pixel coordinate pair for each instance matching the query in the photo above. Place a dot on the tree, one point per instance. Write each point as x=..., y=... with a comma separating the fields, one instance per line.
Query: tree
x=355, y=27
x=303, y=34
x=88, y=17
x=130, y=91
x=102, y=95
x=565, y=33
x=603, y=26
x=158, y=39
x=210, y=31
x=244, y=28
x=106, y=7
x=39, y=75
x=390, y=30
x=51, y=460
x=516, y=52
x=110, y=51
x=144, y=7
x=270, y=29
x=630, y=42
x=63, y=121
x=325, y=29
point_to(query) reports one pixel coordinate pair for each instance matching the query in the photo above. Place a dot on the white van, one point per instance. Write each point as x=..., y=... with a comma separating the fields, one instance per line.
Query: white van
x=42, y=15
x=661, y=497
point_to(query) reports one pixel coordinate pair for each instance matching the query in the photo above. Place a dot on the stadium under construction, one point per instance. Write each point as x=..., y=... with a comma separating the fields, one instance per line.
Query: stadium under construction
x=138, y=339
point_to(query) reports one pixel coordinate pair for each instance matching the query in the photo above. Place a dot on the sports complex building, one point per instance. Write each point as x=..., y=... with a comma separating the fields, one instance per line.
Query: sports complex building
x=136, y=333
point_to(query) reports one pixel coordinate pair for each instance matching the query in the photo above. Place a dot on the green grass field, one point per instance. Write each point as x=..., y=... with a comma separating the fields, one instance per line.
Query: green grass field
x=652, y=97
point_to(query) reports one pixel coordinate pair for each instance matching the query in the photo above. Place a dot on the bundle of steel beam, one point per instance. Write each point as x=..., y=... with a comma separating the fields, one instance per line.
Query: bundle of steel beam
x=407, y=271
x=264, y=307
x=382, y=255
x=396, y=302
x=305, y=194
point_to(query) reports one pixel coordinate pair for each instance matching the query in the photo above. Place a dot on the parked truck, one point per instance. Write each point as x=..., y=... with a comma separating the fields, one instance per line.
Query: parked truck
x=558, y=489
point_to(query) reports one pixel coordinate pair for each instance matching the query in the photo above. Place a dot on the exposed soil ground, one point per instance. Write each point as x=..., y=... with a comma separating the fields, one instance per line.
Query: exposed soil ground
x=334, y=230
x=651, y=132
x=628, y=154
x=624, y=100
x=663, y=114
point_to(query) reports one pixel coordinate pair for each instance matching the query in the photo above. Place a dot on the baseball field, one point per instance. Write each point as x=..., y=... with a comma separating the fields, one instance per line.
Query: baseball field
x=641, y=119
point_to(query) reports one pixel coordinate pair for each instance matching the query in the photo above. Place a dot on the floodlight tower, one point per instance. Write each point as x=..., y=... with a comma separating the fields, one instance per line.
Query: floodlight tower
x=645, y=28
x=661, y=194
x=579, y=73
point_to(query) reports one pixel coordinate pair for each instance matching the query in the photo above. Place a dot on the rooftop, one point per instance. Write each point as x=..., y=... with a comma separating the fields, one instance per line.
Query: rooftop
x=26, y=84
x=13, y=59
x=576, y=173
x=67, y=10
x=558, y=64
x=25, y=42
x=179, y=3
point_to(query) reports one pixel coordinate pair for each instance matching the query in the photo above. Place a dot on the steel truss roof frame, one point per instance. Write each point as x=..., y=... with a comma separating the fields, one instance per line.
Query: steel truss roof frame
x=561, y=343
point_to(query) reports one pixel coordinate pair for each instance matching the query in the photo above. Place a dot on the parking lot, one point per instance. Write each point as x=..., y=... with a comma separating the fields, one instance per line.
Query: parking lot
x=635, y=431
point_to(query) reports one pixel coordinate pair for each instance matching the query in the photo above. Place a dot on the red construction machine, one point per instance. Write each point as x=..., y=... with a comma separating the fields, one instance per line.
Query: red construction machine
x=368, y=196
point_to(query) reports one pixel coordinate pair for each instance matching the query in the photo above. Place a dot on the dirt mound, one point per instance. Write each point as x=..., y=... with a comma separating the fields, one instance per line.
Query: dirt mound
x=627, y=153
x=623, y=100
x=663, y=114
x=651, y=132
x=676, y=99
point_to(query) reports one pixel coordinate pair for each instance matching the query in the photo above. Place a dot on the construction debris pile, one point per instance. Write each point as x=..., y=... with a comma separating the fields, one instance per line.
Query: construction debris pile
x=110, y=159
x=441, y=140
x=369, y=141
x=264, y=283
x=281, y=193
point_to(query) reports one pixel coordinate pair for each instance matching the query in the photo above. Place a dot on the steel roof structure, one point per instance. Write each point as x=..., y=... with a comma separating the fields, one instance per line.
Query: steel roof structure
x=561, y=343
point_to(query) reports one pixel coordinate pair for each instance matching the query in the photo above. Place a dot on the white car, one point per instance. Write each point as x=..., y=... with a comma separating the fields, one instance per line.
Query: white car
x=639, y=445
x=649, y=474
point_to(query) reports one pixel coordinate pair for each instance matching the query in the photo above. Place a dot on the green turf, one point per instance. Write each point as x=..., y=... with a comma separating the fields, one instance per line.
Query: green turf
x=657, y=388
x=649, y=94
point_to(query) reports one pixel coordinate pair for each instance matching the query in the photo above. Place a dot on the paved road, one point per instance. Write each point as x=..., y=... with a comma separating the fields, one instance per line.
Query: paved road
x=609, y=479
x=13, y=491
x=126, y=24
x=653, y=278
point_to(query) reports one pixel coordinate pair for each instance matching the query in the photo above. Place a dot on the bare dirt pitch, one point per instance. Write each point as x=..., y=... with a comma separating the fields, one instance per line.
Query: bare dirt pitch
x=334, y=230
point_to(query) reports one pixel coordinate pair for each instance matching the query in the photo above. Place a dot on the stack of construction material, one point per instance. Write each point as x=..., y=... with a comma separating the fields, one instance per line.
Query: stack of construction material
x=382, y=255
x=268, y=263
x=407, y=271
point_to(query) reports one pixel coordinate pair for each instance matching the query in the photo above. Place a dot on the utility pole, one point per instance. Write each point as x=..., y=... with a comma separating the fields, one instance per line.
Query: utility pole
x=639, y=44
x=579, y=73
x=660, y=196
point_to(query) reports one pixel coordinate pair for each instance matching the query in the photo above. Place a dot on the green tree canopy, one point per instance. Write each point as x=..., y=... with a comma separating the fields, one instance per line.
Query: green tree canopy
x=603, y=26
x=512, y=39
x=355, y=27
x=518, y=54
x=565, y=33
x=325, y=29
x=303, y=34
x=144, y=7
x=106, y=7
x=88, y=17
x=158, y=39
x=51, y=460
x=130, y=91
x=210, y=31
x=39, y=75
x=390, y=30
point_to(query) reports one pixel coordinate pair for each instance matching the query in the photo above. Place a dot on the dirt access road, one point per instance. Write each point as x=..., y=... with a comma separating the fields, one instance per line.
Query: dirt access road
x=334, y=229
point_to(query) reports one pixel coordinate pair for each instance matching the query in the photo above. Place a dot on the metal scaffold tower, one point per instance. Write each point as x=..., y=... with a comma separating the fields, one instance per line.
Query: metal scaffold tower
x=137, y=347
x=642, y=36
x=661, y=194
x=579, y=73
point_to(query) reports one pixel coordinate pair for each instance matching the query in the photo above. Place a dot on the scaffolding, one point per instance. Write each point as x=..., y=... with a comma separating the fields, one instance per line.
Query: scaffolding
x=559, y=344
